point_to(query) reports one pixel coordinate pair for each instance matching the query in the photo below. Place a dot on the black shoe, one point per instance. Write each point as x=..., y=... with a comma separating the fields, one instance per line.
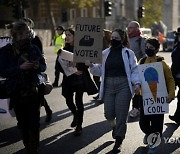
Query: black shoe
x=49, y=116
x=96, y=97
x=114, y=133
x=55, y=85
x=74, y=122
x=78, y=131
x=117, y=146
x=173, y=118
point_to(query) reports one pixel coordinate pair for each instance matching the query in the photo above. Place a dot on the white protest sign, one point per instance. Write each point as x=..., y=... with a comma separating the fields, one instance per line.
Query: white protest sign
x=154, y=89
x=66, y=55
x=88, y=41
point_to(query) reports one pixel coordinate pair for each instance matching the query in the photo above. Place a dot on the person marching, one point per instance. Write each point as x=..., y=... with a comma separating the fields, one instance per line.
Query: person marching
x=120, y=79
x=21, y=63
x=59, y=42
x=154, y=123
x=35, y=40
x=77, y=84
x=175, y=68
x=137, y=44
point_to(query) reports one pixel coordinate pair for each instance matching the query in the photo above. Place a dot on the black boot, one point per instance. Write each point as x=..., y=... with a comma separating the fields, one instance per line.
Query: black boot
x=74, y=122
x=55, y=84
x=78, y=130
x=48, y=111
x=117, y=146
x=33, y=142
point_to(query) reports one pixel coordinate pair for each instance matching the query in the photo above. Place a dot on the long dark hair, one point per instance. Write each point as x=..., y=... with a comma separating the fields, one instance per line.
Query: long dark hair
x=123, y=35
x=72, y=31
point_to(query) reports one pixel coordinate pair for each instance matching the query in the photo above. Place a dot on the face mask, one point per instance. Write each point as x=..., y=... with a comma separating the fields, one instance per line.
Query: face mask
x=150, y=52
x=116, y=43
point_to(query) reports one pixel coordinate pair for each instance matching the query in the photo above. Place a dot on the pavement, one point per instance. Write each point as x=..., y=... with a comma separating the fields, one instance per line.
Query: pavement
x=57, y=137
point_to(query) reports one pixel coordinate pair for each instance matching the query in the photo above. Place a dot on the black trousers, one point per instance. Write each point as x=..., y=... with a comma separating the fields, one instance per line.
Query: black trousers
x=177, y=112
x=136, y=101
x=151, y=123
x=77, y=107
x=27, y=110
x=57, y=70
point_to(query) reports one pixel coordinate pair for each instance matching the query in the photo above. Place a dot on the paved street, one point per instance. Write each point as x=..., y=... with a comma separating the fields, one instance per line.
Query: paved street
x=57, y=136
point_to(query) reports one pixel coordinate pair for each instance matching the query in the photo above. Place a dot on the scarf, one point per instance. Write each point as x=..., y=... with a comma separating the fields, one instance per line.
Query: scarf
x=138, y=33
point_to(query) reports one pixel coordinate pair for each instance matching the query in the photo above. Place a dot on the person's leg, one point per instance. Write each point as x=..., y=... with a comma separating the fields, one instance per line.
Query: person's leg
x=97, y=82
x=72, y=107
x=135, y=107
x=48, y=111
x=144, y=122
x=27, y=111
x=122, y=103
x=176, y=116
x=157, y=122
x=80, y=111
x=56, y=73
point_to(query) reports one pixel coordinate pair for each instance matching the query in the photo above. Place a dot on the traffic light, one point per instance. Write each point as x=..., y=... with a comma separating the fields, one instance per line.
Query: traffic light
x=107, y=8
x=141, y=12
x=15, y=11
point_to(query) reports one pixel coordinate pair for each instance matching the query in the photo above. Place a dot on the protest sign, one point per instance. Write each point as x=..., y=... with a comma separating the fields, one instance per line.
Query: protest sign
x=88, y=41
x=154, y=89
x=64, y=59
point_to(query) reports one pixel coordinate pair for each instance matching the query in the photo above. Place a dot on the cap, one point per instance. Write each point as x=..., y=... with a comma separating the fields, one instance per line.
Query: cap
x=60, y=28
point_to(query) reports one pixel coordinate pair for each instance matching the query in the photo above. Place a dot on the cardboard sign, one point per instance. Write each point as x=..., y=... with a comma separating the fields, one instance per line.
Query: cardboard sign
x=88, y=39
x=4, y=109
x=154, y=89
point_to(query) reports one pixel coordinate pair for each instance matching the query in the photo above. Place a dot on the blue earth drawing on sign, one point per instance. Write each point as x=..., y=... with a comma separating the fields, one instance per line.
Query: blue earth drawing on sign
x=151, y=77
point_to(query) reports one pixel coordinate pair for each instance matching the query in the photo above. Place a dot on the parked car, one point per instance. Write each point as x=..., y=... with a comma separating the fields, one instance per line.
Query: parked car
x=146, y=32
x=169, y=42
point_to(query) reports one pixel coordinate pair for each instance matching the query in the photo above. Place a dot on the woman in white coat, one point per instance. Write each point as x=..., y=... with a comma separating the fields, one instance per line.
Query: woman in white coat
x=120, y=79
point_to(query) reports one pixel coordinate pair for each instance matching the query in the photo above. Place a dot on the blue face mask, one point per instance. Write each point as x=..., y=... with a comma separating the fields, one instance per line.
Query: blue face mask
x=150, y=52
x=116, y=43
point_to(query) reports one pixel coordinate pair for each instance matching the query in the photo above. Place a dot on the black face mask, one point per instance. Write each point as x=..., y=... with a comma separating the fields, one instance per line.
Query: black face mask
x=150, y=52
x=116, y=43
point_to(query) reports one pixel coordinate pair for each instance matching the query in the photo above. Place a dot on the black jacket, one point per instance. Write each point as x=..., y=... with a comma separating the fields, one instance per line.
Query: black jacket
x=74, y=80
x=175, y=67
x=10, y=67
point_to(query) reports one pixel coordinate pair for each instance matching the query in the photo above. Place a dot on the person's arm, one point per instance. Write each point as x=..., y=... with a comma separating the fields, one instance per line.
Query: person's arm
x=169, y=81
x=6, y=58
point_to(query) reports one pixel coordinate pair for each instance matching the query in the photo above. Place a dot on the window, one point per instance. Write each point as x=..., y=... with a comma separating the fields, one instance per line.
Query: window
x=96, y=12
x=84, y=12
x=72, y=14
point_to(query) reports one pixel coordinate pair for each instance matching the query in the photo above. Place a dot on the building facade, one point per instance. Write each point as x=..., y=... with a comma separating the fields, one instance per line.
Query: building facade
x=171, y=14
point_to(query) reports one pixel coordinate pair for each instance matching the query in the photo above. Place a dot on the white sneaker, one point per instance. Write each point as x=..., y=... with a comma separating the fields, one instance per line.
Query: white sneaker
x=134, y=113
